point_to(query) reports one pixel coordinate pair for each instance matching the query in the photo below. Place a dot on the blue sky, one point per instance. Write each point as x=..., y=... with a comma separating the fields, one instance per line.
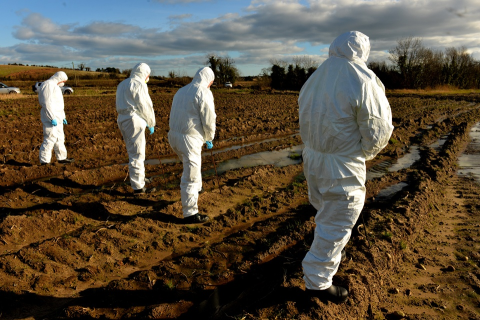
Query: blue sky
x=176, y=36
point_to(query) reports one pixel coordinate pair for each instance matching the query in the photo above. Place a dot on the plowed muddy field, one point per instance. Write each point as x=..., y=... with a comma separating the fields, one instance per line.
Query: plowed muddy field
x=76, y=243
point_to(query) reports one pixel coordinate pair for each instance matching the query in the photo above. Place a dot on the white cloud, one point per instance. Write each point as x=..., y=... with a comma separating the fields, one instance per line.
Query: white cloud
x=266, y=29
x=180, y=16
x=107, y=28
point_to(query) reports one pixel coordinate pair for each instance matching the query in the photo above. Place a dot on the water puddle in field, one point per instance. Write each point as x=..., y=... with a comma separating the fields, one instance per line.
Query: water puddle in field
x=382, y=168
x=243, y=145
x=279, y=158
x=388, y=192
x=291, y=156
x=469, y=161
x=407, y=160
x=437, y=145
x=206, y=153
x=404, y=162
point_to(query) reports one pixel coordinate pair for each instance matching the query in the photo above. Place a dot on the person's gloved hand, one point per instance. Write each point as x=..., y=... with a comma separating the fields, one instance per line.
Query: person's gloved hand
x=209, y=144
x=65, y=121
x=54, y=122
x=152, y=129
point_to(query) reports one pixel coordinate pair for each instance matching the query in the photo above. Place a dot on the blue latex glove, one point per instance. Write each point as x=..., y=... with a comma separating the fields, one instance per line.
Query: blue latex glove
x=152, y=129
x=65, y=121
x=209, y=144
x=54, y=122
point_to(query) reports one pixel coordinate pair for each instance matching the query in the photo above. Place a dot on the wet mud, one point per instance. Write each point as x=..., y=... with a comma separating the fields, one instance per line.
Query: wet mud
x=76, y=243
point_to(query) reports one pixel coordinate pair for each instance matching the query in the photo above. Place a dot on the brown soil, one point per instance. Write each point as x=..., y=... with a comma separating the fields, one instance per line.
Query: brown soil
x=75, y=242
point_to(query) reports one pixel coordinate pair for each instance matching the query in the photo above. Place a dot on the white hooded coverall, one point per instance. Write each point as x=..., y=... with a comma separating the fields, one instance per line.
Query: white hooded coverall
x=345, y=119
x=192, y=123
x=51, y=99
x=135, y=113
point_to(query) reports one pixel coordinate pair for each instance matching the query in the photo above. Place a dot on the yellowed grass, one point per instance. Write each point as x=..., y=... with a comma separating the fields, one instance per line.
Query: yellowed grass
x=245, y=83
x=13, y=96
x=441, y=90
x=40, y=73
x=6, y=70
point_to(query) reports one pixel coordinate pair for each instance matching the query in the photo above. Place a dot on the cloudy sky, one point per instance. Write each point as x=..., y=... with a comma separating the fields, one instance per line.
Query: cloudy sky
x=176, y=35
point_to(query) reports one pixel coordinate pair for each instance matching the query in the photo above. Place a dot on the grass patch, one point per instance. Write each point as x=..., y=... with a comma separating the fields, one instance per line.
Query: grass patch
x=441, y=90
x=387, y=235
x=191, y=229
x=294, y=156
x=169, y=285
x=393, y=141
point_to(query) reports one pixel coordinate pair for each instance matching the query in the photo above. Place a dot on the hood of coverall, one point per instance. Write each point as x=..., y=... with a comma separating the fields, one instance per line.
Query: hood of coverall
x=203, y=77
x=140, y=72
x=352, y=45
x=59, y=76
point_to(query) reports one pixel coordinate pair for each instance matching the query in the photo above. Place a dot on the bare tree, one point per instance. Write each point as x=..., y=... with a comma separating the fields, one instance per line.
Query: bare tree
x=415, y=66
x=458, y=65
x=264, y=80
x=407, y=57
x=305, y=62
x=431, y=62
x=279, y=62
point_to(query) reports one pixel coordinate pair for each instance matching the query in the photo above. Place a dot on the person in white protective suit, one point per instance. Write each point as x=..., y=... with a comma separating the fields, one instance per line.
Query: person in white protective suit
x=345, y=120
x=135, y=114
x=53, y=118
x=192, y=123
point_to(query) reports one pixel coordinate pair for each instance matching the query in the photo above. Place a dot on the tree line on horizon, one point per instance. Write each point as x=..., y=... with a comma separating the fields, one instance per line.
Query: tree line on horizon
x=413, y=66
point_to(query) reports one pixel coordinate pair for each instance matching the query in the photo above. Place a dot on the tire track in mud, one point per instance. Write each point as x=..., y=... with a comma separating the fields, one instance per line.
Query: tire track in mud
x=89, y=265
x=245, y=259
x=69, y=197
x=63, y=193
x=217, y=263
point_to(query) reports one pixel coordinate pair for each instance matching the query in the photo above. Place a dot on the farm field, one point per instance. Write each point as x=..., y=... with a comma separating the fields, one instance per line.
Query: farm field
x=76, y=243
